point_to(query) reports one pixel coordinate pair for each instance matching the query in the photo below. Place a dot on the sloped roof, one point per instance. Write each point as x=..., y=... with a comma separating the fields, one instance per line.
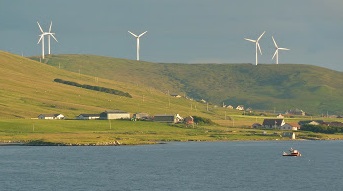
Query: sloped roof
x=272, y=122
x=89, y=115
x=115, y=111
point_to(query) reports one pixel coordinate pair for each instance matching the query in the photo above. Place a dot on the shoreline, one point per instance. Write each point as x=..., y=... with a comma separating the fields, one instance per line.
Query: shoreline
x=116, y=143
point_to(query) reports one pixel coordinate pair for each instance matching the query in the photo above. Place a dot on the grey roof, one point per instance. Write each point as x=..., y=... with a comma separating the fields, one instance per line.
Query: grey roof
x=115, y=111
x=272, y=122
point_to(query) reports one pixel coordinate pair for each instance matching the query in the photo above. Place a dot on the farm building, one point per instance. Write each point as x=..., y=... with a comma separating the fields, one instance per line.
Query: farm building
x=141, y=116
x=114, y=114
x=50, y=116
x=168, y=118
x=273, y=123
x=290, y=126
x=88, y=116
x=189, y=120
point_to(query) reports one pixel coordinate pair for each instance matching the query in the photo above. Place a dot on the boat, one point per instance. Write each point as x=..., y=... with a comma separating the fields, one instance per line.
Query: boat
x=292, y=153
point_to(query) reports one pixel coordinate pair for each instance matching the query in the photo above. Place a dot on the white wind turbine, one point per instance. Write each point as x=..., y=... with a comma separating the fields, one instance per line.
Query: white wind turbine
x=277, y=51
x=50, y=34
x=137, y=37
x=257, y=44
x=42, y=38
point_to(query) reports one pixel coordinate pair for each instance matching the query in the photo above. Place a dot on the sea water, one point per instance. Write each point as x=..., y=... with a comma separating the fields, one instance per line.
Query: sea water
x=174, y=166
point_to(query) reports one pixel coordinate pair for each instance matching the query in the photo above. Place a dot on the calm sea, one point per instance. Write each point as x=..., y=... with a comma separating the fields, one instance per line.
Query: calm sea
x=175, y=166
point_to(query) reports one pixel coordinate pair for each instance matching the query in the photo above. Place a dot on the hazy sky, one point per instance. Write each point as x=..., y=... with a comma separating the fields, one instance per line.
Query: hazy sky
x=180, y=31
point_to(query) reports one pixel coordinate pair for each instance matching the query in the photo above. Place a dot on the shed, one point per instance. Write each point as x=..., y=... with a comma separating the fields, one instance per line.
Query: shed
x=141, y=116
x=168, y=118
x=114, y=114
x=88, y=116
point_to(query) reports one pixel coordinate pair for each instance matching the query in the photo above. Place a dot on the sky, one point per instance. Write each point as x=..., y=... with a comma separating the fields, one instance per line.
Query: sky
x=179, y=31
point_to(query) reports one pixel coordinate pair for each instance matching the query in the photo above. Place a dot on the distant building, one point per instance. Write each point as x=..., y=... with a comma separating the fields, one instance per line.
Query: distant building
x=280, y=116
x=290, y=126
x=88, y=116
x=114, y=114
x=256, y=125
x=189, y=120
x=176, y=95
x=141, y=116
x=273, y=123
x=296, y=112
x=50, y=116
x=229, y=107
x=291, y=135
x=168, y=118
x=240, y=108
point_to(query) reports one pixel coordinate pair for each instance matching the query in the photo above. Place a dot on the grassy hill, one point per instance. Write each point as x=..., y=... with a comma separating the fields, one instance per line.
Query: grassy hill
x=28, y=89
x=313, y=89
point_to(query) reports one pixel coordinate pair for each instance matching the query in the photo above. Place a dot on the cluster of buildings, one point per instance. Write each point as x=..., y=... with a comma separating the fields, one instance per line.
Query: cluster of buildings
x=279, y=123
x=119, y=114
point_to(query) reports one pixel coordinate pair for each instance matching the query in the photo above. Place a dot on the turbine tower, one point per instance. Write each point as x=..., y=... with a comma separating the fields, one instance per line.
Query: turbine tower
x=256, y=44
x=137, y=37
x=277, y=51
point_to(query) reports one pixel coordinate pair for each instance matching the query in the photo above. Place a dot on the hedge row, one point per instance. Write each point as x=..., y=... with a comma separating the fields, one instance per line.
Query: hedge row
x=322, y=129
x=95, y=88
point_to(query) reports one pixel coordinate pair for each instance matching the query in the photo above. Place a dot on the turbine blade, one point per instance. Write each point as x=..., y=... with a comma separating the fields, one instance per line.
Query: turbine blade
x=50, y=26
x=142, y=34
x=274, y=42
x=259, y=47
x=40, y=27
x=276, y=52
x=53, y=36
x=261, y=36
x=133, y=34
x=283, y=49
x=41, y=36
x=250, y=40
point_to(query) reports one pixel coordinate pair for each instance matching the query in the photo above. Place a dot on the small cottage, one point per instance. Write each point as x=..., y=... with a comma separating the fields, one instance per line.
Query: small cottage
x=273, y=123
x=50, y=116
x=290, y=126
x=189, y=120
x=240, y=108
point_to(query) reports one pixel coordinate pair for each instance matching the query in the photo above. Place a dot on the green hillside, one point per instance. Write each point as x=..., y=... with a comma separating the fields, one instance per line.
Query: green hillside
x=313, y=89
x=27, y=89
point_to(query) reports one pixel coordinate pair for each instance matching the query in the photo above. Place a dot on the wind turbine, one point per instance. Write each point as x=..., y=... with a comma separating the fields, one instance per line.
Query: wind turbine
x=41, y=38
x=277, y=51
x=257, y=44
x=50, y=34
x=137, y=37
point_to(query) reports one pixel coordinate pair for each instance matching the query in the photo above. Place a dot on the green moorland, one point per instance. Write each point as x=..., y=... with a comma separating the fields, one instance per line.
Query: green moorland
x=28, y=89
x=266, y=87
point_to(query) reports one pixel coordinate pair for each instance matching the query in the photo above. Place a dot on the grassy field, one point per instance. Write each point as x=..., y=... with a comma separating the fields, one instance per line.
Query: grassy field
x=105, y=132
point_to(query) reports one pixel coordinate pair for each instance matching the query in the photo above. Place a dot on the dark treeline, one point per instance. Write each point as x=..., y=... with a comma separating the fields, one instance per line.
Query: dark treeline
x=95, y=88
x=322, y=129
